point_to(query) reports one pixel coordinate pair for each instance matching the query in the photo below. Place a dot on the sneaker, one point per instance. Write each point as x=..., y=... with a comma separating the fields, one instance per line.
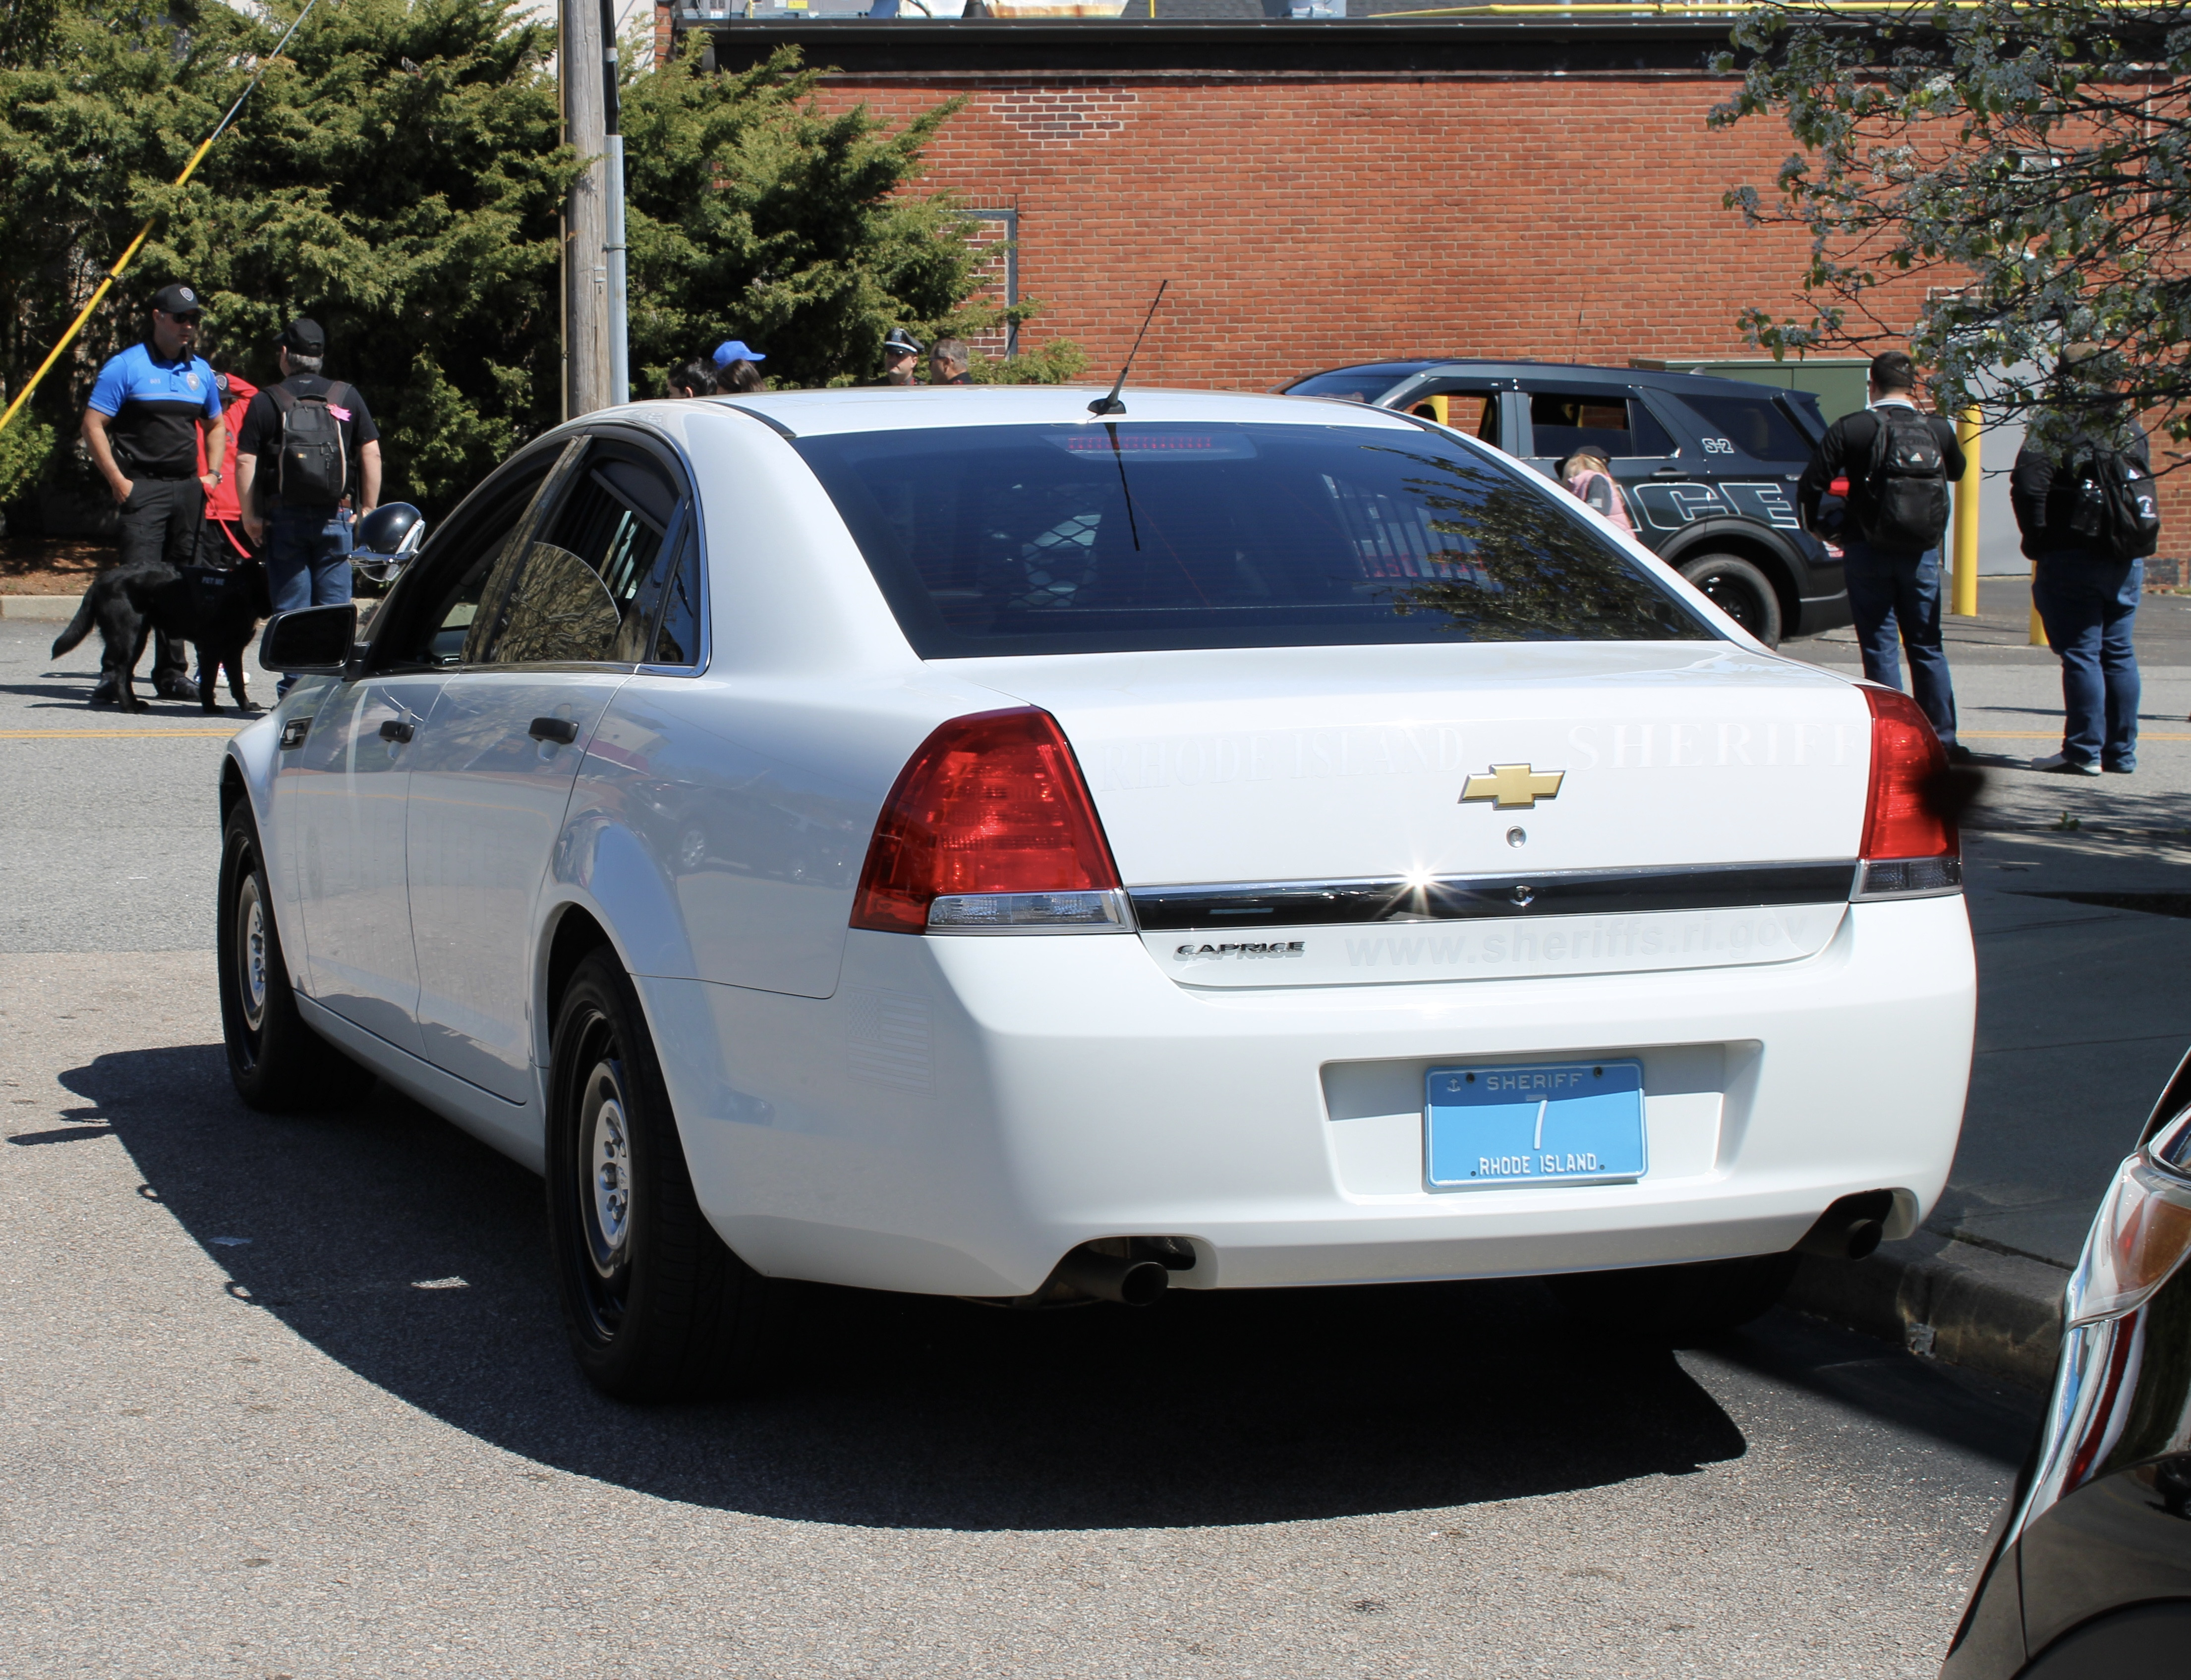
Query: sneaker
x=2061, y=763
x=1958, y=753
x=2129, y=770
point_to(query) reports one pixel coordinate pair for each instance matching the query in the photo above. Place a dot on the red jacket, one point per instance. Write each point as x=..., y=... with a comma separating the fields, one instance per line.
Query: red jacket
x=236, y=393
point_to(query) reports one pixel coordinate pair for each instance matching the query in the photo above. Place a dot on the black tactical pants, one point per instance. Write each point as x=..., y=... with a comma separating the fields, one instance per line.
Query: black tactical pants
x=163, y=520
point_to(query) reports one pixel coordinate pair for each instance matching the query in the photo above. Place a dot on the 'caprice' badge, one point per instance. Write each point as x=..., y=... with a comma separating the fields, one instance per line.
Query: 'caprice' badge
x=1514, y=786
x=1243, y=948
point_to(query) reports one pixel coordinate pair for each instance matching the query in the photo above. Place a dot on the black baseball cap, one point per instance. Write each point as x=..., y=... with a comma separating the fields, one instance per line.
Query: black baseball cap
x=177, y=300
x=303, y=335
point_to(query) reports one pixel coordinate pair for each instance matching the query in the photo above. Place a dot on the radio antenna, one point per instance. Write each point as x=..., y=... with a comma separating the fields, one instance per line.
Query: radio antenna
x=1111, y=405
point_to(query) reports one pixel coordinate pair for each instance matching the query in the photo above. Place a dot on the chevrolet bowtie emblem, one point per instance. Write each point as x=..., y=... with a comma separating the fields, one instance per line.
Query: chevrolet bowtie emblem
x=1514, y=786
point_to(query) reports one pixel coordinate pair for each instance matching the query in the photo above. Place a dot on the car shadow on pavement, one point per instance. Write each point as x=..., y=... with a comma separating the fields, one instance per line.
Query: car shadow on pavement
x=416, y=1258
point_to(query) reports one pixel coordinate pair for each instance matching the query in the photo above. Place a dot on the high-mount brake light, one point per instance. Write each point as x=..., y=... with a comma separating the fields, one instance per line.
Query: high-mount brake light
x=1910, y=849
x=990, y=830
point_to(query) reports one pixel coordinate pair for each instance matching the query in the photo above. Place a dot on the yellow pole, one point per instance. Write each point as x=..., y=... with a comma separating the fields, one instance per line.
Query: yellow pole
x=1966, y=517
x=2038, y=627
x=1438, y=409
x=144, y=233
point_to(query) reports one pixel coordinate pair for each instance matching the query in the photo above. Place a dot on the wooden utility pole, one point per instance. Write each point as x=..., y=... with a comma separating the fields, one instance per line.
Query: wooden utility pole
x=585, y=217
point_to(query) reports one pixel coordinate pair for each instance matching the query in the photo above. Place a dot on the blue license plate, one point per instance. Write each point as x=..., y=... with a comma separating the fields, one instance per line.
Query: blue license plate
x=1534, y=1123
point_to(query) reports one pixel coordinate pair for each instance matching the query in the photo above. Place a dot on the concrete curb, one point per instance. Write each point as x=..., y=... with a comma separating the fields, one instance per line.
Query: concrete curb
x=52, y=607
x=1998, y=1315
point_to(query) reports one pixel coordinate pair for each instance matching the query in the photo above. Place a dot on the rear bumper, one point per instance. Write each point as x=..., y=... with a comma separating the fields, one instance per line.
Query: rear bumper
x=963, y=1111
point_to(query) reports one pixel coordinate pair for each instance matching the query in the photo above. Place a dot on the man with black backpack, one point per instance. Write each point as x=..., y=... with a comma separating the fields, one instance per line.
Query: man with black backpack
x=2089, y=516
x=293, y=475
x=1898, y=463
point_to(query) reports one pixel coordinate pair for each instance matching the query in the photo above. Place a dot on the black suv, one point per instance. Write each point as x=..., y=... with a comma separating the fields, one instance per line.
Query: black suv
x=1708, y=467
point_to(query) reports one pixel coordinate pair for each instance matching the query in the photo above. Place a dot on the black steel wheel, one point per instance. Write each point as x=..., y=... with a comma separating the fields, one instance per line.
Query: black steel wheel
x=276, y=1061
x=657, y=1307
x=1738, y=589
x=1677, y=1304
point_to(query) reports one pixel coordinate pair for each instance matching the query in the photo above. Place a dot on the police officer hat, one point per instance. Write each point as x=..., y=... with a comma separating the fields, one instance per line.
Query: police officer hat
x=901, y=342
x=177, y=300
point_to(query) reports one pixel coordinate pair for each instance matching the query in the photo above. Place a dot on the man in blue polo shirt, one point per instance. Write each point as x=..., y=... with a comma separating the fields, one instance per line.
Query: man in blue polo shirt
x=141, y=428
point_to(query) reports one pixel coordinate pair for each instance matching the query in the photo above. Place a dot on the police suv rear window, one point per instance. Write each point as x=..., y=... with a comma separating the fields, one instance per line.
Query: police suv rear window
x=1755, y=425
x=1131, y=537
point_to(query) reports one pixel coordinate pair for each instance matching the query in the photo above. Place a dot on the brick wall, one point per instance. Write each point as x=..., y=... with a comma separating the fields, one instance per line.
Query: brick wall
x=1308, y=218
x=1305, y=222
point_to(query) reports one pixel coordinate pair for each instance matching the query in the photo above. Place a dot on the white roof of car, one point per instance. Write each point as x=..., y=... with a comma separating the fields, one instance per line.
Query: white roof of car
x=872, y=408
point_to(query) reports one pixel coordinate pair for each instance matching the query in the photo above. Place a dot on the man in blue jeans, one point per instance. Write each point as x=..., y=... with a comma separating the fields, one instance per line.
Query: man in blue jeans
x=2086, y=599
x=295, y=478
x=1893, y=590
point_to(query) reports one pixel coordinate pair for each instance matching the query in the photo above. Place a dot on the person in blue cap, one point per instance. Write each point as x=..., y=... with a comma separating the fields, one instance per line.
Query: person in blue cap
x=735, y=371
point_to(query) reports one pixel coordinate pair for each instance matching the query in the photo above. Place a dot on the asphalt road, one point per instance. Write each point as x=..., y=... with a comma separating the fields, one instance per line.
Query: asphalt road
x=2077, y=893
x=289, y=1398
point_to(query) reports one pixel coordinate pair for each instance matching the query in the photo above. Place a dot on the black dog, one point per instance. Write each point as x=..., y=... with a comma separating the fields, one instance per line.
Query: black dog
x=218, y=610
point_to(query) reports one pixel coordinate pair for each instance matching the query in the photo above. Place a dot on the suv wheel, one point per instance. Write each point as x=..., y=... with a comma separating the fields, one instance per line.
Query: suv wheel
x=1742, y=592
x=657, y=1307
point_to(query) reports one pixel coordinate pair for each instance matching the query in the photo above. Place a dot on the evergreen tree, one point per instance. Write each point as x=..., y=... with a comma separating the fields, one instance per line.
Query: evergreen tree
x=398, y=176
x=751, y=215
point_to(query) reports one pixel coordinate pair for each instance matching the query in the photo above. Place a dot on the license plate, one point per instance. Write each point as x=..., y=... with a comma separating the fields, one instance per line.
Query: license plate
x=1534, y=1123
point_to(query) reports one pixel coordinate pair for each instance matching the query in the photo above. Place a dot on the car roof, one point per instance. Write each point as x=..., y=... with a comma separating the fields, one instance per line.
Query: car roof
x=1703, y=384
x=873, y=408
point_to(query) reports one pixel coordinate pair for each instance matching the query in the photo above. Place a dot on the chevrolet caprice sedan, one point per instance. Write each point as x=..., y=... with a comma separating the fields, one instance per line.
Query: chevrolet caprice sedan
x=969, y=843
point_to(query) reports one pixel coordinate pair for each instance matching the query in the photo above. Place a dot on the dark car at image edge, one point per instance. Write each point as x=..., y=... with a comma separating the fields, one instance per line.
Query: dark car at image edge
x=2089, y=1571
x=1706, y=467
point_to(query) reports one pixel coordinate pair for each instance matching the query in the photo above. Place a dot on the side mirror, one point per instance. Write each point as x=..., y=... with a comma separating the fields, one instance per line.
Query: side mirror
x=311, y=641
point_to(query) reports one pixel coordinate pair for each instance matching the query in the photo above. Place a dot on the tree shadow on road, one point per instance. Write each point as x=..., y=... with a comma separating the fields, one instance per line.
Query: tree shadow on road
x=418, y=1258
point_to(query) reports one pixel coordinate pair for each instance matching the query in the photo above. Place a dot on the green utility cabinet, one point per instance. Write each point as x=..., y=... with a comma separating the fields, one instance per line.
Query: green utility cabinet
x=1837, y=382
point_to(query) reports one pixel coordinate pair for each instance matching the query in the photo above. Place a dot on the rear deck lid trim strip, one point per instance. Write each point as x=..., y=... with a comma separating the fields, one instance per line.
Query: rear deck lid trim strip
x=1459, y=898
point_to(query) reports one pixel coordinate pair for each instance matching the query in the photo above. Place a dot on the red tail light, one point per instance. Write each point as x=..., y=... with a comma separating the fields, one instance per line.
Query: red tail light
x=994, y=803
x=1905, y=822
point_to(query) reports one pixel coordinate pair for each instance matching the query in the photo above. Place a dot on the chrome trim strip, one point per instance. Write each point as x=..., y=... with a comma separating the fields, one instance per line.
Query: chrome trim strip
x=1456, y=897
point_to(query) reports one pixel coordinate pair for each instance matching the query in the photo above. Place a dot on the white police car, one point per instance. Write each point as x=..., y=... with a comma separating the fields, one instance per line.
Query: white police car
x=951, y=842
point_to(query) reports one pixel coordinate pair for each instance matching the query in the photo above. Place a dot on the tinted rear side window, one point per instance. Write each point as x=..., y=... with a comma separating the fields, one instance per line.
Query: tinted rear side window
x=1123, y=537
x=1618, y=426
x=1755, y=425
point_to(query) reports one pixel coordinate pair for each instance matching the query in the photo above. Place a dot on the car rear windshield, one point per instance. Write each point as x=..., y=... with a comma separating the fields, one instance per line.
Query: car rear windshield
x=1117, y=538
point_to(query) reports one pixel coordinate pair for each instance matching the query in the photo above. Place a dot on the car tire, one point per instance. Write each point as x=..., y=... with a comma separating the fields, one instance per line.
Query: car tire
x=1741, y=591
x=278, y=1064
x=1678, y=1304
x=657, y=1306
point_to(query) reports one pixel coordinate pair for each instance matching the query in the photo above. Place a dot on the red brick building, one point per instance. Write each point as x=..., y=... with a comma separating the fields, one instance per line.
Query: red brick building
x=1320, y=192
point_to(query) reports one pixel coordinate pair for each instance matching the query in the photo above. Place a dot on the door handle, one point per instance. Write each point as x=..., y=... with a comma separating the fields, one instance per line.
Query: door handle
x=561, y=731
x=395, y=730
x=1672, y=472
